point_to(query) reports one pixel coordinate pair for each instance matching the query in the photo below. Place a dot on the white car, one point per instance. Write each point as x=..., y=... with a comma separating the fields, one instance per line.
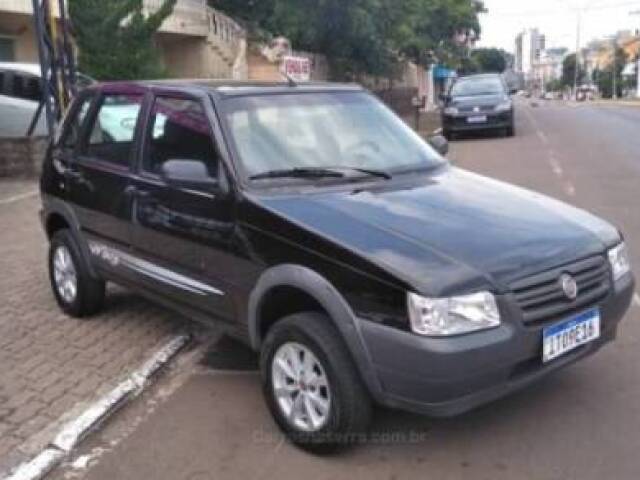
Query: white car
x=20, y=94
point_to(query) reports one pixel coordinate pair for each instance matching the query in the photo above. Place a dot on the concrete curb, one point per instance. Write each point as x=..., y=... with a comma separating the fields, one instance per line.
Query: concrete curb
x=77, y=429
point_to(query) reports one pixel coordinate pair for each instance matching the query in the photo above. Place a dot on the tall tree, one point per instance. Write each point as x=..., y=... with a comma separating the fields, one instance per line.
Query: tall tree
x=490, y=60
x=569, y=71
x=604, y=77
x=115, y=38
x=365, y=36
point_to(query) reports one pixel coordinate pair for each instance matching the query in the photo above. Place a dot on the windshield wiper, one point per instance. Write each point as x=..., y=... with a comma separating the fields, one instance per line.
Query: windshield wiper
x=318, y=172
x=306, y=172
x=368, y=171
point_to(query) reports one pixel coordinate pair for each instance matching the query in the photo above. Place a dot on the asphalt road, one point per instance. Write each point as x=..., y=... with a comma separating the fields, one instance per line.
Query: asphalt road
x=200, y=423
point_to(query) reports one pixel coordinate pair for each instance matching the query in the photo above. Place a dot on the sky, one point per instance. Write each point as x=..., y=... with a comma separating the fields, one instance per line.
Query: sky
x=557, y=19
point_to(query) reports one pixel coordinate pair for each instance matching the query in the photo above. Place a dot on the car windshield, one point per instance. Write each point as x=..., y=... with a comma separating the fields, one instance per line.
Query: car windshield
x=350, y=132
x=477, y=86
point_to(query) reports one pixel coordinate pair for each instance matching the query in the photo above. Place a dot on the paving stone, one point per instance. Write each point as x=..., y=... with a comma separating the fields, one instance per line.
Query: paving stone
x=51, y=363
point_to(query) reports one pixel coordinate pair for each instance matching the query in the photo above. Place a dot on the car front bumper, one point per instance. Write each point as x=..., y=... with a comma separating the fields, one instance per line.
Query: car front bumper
x=460, y=123
x=448, y=376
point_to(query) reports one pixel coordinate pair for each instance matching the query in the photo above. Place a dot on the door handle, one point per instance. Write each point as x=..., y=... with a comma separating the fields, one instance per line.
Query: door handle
x=135, y=192
x=72, y=174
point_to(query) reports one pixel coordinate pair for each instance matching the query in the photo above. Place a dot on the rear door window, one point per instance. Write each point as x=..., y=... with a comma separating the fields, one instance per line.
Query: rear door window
x=112, y=133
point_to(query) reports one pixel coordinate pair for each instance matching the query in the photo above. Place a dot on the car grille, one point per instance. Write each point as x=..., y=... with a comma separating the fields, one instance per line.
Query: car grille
x=483, y=109
x=541, y=298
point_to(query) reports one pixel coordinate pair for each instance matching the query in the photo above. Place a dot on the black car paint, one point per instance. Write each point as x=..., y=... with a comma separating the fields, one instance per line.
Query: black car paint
x=356, y=249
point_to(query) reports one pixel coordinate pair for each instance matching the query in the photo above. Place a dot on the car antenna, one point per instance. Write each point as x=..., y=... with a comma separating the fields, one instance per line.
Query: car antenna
x=290, y=81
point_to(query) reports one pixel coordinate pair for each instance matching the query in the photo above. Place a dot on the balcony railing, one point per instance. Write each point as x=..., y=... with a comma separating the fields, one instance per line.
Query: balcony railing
x=189, y=17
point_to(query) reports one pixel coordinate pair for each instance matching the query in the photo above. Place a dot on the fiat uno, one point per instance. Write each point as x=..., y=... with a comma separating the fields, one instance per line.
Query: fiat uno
x=310, y=222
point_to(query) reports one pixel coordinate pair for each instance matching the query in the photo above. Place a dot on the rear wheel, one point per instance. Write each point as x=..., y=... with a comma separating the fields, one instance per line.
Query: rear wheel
x=78, y=294
x=511, y=131
x=311, y=384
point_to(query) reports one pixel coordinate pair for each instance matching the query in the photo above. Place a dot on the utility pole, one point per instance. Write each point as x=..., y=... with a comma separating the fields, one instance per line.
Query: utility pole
x=637, y=12
x=577, y=65
x=615, y=67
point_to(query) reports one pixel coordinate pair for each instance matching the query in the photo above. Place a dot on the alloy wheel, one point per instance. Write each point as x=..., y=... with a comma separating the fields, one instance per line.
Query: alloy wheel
x=301, y=387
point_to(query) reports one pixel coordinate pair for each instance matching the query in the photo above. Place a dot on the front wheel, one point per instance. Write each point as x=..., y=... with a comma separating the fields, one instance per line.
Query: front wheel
x=311, y=384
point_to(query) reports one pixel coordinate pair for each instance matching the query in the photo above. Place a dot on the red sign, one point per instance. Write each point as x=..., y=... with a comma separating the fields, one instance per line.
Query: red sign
x=297, y=68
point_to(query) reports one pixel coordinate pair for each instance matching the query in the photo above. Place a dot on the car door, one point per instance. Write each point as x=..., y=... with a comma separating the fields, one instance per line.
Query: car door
x=64, y=147
x=179, y=235
x=100, y=175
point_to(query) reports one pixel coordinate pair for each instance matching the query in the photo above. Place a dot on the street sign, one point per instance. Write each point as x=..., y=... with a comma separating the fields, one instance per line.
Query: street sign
x=296, y=68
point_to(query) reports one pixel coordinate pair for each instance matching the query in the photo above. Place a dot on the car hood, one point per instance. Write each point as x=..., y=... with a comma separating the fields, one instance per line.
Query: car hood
x=453, y=230
x=478, y=101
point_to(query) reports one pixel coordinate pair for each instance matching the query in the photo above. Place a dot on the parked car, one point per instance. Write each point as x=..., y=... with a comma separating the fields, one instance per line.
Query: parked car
x=20, y=94
x=478, y=103
x=310, y=222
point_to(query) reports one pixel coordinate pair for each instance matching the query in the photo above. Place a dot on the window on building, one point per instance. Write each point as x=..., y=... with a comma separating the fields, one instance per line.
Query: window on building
x=7, y=49
x=113, y=130
x=179, y=130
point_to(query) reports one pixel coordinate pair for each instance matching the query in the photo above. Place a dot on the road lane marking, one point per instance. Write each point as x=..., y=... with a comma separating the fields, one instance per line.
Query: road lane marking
x=555, y=165
x=542, y=136
x=17, y=198
x=636, y=299
x=569, y=188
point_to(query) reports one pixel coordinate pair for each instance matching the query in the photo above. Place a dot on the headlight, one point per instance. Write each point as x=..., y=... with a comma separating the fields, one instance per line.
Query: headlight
x=438, y=317
x=503, y=107
x=619, y=260
x=451, y=111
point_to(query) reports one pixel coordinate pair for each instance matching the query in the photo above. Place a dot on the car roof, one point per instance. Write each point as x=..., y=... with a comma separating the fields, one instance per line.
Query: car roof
x=29, y=68
x=226, y=88
x=480, y=76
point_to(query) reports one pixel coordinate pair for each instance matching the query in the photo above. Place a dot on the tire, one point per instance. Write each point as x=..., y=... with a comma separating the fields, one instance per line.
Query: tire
x=511, y=131
x=87, y=296
x=349, y=405
x=447, y=134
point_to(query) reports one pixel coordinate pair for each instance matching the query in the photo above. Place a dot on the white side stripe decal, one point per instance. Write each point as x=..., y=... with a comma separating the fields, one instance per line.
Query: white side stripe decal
x=115, y=258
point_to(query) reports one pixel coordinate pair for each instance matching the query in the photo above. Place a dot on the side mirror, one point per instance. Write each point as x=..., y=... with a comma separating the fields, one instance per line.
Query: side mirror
x=513, y=91
x=439, y=144
x=188, y=174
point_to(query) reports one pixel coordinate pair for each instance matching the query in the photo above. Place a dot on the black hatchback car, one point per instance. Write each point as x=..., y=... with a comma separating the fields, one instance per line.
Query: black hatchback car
x=478, y=103
x=313, y=224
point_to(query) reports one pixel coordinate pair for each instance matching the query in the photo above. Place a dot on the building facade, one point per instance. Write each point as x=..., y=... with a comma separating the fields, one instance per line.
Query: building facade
x=529, y=47
x=195, y=41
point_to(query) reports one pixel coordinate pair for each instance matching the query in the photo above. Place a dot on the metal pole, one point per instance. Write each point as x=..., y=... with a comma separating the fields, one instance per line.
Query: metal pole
x=39, y=7
x=637, y=12
x=577, y=65
x=615, y=73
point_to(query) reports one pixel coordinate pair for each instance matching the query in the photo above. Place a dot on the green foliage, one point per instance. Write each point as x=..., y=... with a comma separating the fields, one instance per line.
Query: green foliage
x=364, y=36
x=115, y=38
x=604, y=77
x=554, y=85
x=569, y=71
x=490, y=60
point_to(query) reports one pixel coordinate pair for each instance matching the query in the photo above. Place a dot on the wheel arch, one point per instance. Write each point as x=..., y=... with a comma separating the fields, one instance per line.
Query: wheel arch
x=57, y=215
x=320, y=295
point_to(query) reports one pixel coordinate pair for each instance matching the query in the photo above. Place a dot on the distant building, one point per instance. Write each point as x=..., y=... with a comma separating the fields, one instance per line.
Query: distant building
x=549, y=66
x=529, y=47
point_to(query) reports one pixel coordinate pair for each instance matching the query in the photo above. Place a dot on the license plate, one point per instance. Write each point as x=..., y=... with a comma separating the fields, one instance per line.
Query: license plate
x=477, y=119
x=566, y=336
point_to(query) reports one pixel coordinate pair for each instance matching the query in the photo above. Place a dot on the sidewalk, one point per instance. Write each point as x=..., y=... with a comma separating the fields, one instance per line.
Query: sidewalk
x=51, y=366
